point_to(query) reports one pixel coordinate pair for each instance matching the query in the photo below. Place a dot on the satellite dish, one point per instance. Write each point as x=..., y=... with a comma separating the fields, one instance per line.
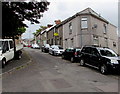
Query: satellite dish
x=95, y=25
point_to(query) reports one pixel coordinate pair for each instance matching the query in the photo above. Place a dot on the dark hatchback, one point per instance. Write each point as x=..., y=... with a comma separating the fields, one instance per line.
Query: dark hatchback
x=104, y=59
x=45, y=48
x=71, y=54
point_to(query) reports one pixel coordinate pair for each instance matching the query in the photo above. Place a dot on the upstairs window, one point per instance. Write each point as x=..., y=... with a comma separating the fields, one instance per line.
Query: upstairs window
x=105, y=28
x=70, y=28
x=84, y=24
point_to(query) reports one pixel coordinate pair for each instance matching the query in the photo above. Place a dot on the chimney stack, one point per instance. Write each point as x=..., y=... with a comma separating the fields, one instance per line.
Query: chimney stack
x=49, y=25
x=57, y=22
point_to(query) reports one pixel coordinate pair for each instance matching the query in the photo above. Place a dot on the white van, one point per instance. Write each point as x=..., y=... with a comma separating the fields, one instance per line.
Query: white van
x=7, y=51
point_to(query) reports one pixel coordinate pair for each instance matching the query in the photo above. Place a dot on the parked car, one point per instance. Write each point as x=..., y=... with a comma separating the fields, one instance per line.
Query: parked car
x=101, y=58
x=35, y=46
x=45, y=48
x=71, y=54
x=56, y=50
x=8, y=52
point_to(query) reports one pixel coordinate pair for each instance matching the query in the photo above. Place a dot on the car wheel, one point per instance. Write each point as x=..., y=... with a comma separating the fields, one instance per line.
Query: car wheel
x=72, y=59
x=103, y=69
x=82, y=62
x=53, y=53
x=3, y=63
x=63, y=57
x=20, y=56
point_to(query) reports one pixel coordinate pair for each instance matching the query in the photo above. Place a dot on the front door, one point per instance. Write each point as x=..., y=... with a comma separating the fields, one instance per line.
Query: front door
x=94, y=58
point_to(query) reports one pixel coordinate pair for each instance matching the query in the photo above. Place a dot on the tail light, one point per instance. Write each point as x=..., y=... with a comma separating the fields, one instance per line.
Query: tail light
x=75, y=53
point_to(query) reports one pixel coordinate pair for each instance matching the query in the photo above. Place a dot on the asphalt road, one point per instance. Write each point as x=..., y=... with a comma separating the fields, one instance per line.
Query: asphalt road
x=48, y=73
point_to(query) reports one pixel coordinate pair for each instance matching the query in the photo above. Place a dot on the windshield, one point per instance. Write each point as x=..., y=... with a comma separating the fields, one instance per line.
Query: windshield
x=78, y=50
x=60, y=47
x=108, y=52
x=47, y=45
x=1, y=45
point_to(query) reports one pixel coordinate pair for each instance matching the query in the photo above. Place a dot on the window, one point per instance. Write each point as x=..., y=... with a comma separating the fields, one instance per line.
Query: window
x=87, y=50
x=105, y=28
x=106, y=42
x=84, y=22
x=45, y=35
x=108, y=52
x=1, y=45
x=72, y=42
x=52, y=41
x=114, y=44
x=95, y=40
x=70, y=28
x=11, y=44
x=60, y=42
x=94, y=52
x=66, y=43
x=5, y=47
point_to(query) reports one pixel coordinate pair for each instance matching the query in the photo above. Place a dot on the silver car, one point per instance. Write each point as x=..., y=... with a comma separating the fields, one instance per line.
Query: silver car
x=56, y=50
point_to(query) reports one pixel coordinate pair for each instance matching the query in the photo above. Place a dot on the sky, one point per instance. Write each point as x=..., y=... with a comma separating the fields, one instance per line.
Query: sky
x=63, y=9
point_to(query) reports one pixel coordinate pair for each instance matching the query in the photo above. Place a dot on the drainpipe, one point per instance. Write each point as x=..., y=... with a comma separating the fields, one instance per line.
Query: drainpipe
x=54, y=36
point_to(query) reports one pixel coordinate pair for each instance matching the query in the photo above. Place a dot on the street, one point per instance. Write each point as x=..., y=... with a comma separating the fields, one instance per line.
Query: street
x=47, y=73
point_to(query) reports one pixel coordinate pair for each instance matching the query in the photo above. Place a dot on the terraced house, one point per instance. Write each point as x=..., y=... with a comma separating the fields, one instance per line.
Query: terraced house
x=84, y=28
x=89, y=28
x=55, y=34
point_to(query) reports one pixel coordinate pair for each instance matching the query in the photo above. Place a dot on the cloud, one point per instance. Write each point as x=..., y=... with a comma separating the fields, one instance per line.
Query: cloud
x=62, y=9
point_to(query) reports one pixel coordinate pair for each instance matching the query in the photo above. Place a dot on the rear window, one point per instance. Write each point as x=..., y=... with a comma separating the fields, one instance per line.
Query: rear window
x=78, y=50
x=60, y=47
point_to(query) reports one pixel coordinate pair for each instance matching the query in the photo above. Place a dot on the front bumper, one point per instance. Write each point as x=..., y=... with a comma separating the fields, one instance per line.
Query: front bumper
x=113, y=67
x=58, y=53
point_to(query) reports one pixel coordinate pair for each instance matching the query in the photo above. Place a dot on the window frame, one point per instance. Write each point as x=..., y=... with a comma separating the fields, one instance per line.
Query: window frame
x=84, y=22
x=70, y=28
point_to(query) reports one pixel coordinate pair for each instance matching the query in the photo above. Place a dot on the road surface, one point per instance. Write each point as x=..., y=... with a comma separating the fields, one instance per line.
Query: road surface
x=47, y=73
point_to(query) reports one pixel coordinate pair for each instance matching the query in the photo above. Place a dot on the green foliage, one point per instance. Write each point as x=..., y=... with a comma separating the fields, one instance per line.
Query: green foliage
x=39, y=30
x=14, y=13
x=21, y=30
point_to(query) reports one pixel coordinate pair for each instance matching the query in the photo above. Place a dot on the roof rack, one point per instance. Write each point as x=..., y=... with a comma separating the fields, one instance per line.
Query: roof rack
x=94, y=46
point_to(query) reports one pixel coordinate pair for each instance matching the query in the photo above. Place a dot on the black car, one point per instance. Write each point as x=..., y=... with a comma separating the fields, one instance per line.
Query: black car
x=101, y=58
x=71, y=54
x=45, y=48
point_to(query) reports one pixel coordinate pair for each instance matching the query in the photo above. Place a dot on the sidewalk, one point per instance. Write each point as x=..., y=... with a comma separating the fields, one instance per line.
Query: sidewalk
x=16, y=64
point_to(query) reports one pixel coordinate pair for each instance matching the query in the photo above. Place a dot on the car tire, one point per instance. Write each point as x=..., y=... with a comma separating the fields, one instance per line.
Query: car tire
x=3, y=63
x=63, y=57
x=53, y=53
x=103, y=69
x=72, y=59
x=19, y=56
x=82, y=62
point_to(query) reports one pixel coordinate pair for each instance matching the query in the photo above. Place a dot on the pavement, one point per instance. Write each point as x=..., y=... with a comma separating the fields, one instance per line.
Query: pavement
x=17, y=64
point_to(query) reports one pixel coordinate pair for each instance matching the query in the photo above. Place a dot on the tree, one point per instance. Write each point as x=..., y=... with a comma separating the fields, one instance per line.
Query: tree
x=39, y=30
x=14, y=13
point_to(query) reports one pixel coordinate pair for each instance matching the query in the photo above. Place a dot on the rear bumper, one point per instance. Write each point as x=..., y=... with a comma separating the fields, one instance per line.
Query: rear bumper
x=58, y=53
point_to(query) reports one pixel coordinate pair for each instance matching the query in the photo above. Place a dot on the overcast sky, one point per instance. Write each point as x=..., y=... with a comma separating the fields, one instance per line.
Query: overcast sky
x=62, y=9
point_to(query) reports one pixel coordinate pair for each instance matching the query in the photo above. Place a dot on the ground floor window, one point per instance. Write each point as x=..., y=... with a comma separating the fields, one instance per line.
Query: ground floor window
x=66, y=43
x=106, y=42
x=95, y=40
x=72, y=42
